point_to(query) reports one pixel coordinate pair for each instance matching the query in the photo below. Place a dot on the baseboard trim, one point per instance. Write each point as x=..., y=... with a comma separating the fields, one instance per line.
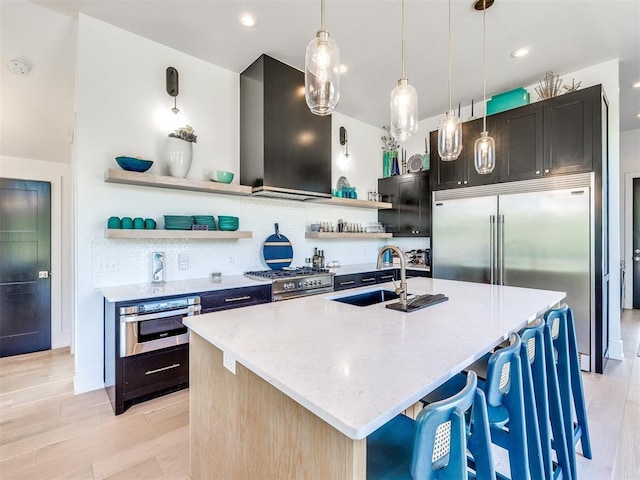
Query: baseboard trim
x=88, y=380
x=616, y=351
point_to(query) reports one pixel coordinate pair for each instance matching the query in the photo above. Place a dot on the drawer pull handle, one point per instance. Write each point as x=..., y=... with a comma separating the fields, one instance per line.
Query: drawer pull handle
x=349, y=282
x=238, y=299
x=386, y=277
x=368, y=279
x=151, y=372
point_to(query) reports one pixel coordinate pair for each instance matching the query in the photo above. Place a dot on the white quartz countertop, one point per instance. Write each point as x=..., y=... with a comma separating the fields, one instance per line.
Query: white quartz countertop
x=123, y=293
x=358, y=367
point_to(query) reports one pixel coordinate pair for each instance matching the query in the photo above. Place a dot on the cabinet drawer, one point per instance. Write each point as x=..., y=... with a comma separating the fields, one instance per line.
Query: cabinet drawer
x=367, y=278
x=234, y=298
x=386, y=276
x=342, y=282
x=155, y=371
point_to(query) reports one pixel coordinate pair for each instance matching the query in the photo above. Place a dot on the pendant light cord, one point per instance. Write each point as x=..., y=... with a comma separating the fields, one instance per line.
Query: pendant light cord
x=322, y=15
x=449, y=82
x=402, y=55
x=484, y=60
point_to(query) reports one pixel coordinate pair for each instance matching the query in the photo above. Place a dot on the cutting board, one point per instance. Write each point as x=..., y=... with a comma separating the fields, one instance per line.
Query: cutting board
x=277, y=251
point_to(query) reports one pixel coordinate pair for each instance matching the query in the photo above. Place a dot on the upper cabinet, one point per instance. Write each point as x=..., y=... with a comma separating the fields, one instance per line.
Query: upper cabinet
x=411, y=212
x=550, y=137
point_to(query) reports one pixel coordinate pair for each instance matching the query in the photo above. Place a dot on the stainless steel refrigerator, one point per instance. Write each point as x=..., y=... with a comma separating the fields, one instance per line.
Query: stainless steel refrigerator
x=537, y=234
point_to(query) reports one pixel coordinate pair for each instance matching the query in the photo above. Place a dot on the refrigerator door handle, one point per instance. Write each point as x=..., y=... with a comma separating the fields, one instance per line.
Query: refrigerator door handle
x=500, y=249
x=492, y=248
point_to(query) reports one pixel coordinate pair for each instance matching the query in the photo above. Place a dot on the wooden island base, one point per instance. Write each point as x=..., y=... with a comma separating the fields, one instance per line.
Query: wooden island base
x=243, y=427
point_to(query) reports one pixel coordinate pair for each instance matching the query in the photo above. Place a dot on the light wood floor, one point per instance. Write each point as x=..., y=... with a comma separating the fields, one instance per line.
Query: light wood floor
x=48, y=433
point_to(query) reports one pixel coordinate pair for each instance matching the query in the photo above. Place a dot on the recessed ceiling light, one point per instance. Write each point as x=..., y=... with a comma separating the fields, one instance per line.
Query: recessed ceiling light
x=520, y=52
x=636, y=85
x=638, y=115
x=247, y=19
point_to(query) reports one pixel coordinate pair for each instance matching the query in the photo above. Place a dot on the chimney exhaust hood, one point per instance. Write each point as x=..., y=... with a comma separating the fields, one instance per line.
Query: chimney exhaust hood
x=285, y=150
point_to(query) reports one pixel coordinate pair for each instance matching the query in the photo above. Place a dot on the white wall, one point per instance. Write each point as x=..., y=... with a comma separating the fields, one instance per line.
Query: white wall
x=607, y=74
x=59, y=175
x=629, y=169
x=120, y=90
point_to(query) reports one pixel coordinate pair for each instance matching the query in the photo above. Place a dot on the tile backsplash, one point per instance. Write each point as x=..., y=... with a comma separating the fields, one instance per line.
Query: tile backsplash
x=124, y=262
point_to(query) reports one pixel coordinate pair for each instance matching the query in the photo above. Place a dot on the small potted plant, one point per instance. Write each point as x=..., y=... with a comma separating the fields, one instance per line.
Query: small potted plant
x=390, y=147
x=180, y=150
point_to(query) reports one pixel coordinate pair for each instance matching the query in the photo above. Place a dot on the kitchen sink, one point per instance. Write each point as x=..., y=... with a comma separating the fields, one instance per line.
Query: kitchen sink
x=368, y=298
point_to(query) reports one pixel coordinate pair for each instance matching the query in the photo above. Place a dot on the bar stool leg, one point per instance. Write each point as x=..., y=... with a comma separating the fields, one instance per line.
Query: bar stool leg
x=582, y=428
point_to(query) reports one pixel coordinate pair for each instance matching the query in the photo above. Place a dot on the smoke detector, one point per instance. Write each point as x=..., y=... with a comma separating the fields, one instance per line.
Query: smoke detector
x=19, y=66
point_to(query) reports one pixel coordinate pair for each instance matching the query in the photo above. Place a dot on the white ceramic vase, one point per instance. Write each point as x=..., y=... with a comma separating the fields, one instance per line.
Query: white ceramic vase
x=179, y=154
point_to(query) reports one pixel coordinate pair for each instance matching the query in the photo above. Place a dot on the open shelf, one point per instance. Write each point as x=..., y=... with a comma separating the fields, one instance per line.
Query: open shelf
x=343, y=235
x=352, y=202
x=175, y=234
x=114, y=175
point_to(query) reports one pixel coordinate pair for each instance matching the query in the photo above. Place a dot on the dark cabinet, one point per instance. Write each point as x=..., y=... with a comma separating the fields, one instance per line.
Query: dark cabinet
x=344, y=282
x=411, y=212
x=550, y=137
x=227, y=299
x=462, y=172
x=155, y=371
x=568, y=132
x=520, y=156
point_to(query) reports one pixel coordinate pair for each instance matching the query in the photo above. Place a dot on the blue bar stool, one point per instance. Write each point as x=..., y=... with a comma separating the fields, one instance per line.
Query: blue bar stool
x=434, y=446
x=562, y=336
x=505, y=401
x=541, y=389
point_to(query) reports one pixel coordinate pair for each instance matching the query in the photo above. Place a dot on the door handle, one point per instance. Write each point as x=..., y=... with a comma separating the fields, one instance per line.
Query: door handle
x=500, y=250
x=492, y=248
x=44, y=274
x=637, y=250
x=636, y=259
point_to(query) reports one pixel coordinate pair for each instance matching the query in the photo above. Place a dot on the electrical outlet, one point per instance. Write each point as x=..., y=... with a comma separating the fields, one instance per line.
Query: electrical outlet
x=107, y=265
x=229, y=260
x=183, y=261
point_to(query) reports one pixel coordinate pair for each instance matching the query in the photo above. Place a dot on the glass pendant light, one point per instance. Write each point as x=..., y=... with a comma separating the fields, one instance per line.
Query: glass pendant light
x=322, y=71
x=484, y=150
x=404, y=103
x=450, y=129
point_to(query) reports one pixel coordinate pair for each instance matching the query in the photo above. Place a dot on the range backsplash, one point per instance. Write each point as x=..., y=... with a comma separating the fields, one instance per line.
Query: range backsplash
x=125, y=262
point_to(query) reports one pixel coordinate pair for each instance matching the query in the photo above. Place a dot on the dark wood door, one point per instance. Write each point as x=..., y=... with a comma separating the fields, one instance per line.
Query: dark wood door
x=25, y=262
x=520, y=156
x=445, y=174
x=636, y=243
x=568, y=133
x=471, y=133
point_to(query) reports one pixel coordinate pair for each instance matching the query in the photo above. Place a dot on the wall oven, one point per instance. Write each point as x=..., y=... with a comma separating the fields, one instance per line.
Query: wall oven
x=155, y=325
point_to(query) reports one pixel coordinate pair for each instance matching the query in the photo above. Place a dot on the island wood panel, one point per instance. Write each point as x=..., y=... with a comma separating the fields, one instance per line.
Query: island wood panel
x=243, y=427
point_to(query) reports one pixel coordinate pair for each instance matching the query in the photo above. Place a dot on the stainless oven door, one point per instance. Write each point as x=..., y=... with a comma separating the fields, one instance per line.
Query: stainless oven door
x=141, y=333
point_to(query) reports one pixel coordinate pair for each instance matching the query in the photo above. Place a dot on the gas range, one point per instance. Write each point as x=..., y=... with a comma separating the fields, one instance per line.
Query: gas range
x=295, y=282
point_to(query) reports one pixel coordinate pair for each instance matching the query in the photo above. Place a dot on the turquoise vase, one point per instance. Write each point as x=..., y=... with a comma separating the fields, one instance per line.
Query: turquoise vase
x=386, y=163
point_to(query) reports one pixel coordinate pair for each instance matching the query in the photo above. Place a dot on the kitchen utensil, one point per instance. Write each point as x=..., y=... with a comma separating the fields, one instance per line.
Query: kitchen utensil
x=415, y=163
x=277, y=250
x=221, y=176
x=134, y=164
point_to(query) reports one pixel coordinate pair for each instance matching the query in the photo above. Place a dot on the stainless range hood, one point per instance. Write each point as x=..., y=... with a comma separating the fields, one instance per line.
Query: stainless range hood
x=285, y=150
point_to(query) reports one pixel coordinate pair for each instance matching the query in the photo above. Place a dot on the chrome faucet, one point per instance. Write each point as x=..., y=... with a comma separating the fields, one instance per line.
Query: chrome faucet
x=402, y=289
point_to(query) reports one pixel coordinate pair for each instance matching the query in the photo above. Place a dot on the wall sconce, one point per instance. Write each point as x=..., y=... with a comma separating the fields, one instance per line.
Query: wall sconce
x=173, y=87
x=344, y=141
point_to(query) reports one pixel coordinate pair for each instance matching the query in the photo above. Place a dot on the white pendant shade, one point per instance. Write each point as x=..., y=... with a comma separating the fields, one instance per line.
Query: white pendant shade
x=484, y=154
x=404, y=111
x=322, y=72
x=450, y=137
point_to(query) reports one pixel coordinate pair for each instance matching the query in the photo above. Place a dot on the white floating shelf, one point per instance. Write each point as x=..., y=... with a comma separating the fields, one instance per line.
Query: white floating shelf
x=352, y=202
x=176, y=234
x=343, y=235
x=113, y=175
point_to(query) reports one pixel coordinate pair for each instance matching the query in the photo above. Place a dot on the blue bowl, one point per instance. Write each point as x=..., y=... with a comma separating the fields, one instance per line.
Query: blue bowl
x=134, y=164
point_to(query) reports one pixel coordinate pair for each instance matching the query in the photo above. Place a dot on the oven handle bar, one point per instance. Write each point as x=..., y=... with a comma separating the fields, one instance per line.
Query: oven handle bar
x=158, y=370
x=153, y=316
x=237, y=299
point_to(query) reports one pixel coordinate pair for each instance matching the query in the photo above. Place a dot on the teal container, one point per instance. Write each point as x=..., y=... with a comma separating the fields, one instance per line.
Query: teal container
x=508, y=100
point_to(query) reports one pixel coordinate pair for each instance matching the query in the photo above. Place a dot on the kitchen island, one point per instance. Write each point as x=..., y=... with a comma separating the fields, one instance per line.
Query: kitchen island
x=292, y=389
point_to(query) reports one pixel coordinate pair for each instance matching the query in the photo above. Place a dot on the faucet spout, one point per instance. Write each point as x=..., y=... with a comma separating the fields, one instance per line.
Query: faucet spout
x=402, y=289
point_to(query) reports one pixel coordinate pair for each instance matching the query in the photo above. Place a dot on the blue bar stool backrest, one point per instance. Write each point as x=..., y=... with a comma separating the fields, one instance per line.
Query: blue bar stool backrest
x=499, y=372
x=441, y=439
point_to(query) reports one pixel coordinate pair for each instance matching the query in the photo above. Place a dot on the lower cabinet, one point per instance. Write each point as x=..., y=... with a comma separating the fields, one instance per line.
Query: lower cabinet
x=343, y=282
x=219, y=300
